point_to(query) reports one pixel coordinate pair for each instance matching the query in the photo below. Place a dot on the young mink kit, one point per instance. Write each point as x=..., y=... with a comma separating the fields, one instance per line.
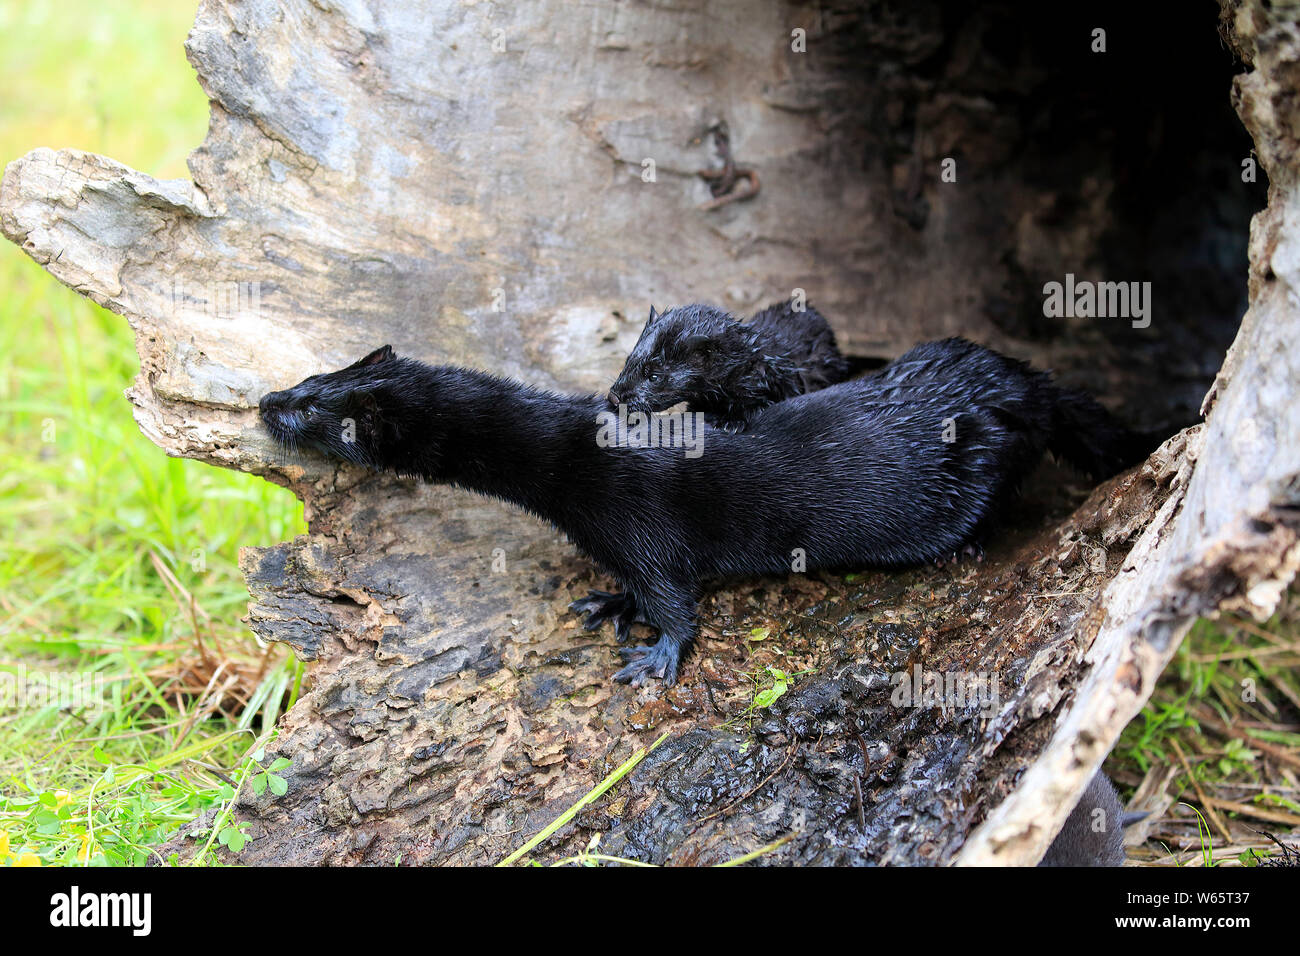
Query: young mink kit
x=856, y=474
x=729, y=369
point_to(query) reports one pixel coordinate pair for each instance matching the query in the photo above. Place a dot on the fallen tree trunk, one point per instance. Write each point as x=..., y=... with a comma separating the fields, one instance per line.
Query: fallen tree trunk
x=510, y=189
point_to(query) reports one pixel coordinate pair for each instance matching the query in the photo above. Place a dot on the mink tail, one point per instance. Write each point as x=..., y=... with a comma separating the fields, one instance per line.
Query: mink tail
x=1093, y=440
x=859, y=364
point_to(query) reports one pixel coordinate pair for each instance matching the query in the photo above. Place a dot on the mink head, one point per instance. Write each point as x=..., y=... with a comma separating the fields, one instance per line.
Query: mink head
x=683, y=355
x=340, y=414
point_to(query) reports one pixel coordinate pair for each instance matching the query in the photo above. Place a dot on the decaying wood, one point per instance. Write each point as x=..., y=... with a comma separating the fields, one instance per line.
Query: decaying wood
x=510, y=188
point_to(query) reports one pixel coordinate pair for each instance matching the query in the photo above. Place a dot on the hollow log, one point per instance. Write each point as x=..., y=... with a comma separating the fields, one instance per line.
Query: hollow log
x=510, y=188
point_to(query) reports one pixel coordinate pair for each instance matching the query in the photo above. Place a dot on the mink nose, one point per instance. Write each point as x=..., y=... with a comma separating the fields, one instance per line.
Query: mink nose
x=271, y=404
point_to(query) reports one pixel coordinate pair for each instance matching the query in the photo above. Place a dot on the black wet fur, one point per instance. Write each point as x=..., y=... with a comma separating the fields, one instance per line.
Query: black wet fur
x=858, y=474
x=1089, y=839
x=729, y=369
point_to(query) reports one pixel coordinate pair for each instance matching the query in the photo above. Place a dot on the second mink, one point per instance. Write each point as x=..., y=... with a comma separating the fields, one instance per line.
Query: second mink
x=728, y=369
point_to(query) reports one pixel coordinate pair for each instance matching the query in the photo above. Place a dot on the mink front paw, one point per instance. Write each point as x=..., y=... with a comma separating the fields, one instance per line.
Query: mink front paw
x=733, y=425
x=602, y=606
x=645, y=662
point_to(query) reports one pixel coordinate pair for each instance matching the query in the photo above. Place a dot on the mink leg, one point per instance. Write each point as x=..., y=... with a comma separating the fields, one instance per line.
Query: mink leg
x=674, y=617
x=602, y=606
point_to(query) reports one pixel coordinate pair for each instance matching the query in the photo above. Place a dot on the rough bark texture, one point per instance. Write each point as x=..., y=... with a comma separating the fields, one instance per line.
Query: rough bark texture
x=466, y=182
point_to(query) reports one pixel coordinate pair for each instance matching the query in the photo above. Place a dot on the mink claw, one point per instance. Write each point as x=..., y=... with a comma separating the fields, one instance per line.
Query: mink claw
x=646, y=662
x=598, y=606
x=602, y=606
x=966, y=551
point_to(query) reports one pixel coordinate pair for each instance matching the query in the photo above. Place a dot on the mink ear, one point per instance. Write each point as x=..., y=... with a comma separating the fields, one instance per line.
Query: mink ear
x=382, y=354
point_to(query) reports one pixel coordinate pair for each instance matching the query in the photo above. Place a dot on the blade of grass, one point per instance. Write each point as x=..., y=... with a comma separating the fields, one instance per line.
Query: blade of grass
x=589, y=798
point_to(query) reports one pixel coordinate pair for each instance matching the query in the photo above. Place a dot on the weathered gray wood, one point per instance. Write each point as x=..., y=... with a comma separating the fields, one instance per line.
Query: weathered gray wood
x=466, y=182
x=1230, y=542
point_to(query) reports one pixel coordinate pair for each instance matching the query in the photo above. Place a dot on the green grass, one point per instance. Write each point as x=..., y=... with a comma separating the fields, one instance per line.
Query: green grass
x=1222, y=728
x=115, y=561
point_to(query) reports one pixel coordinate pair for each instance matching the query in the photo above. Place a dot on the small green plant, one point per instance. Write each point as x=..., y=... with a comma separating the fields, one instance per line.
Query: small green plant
x=773, y=692
x=1237, y=758
x=268, y=778
x=1203, y=830
x=769, y=684
x=233, y=836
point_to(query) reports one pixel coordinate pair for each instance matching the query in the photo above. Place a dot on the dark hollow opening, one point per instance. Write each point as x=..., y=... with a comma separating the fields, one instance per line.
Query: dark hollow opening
x=1123, y=165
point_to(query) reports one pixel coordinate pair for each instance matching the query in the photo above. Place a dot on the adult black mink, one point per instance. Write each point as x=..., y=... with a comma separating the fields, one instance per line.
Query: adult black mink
x=898, y=469
x=727, y=368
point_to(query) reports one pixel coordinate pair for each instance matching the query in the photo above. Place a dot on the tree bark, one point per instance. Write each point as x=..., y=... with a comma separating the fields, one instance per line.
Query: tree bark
x=510, y=188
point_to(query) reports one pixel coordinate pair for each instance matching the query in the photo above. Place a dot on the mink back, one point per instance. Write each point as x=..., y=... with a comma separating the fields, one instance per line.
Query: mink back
x=806, y=338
